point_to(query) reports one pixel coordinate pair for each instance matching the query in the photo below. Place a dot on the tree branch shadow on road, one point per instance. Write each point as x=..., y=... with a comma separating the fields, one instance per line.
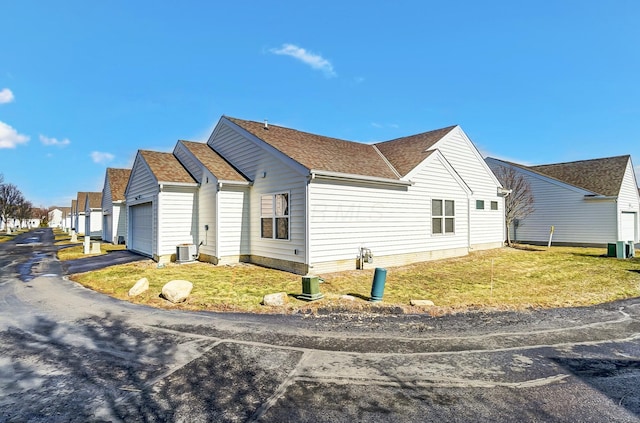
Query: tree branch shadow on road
x=104, y=369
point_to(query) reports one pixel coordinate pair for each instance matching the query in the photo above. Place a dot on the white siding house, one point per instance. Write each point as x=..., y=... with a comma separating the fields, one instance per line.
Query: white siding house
x=114, y=212
x=162, y=206
x=93, y=215
x=315, y=202
x=79, y=213
x=588, y=202
x=223, y=204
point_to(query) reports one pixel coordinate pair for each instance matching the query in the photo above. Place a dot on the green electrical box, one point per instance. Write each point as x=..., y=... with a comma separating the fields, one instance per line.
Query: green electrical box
x=310, y=288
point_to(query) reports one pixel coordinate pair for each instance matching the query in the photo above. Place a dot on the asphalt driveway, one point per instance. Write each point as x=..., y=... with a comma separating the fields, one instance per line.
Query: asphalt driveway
x=71, y=354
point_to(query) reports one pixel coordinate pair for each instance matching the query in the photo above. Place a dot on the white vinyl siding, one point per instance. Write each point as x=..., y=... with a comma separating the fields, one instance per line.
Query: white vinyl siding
x=575, y=219
x=486, y=228
x=142, y=188
x=107, y=211
x=186, y=158
x=387, y=220
x=207, y=197
x=629, y=204
x=234, y=234
x=270, y=174
x=177, y=218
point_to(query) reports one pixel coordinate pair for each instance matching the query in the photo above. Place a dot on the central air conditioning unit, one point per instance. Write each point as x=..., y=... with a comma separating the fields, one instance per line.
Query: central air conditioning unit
x=186, y=253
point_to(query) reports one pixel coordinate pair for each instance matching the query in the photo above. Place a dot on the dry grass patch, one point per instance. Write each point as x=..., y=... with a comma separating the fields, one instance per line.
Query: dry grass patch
x=505, y=278
x=77, y=251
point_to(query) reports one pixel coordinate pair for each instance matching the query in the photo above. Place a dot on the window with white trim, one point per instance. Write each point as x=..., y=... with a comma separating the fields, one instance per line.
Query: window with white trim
x=274, y=216
x=494, y=205
x=479, y=204
x=443, y=217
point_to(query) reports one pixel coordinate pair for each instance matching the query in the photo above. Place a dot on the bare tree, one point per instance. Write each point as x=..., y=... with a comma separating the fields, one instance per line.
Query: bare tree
x=24, y=212
x=10, y=197
x=519, y=203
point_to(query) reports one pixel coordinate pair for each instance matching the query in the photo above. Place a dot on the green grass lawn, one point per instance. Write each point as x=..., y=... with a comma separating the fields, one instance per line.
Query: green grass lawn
x=506, y=278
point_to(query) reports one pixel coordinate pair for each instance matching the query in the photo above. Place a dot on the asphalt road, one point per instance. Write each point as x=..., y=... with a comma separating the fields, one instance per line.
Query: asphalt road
x=68, y=354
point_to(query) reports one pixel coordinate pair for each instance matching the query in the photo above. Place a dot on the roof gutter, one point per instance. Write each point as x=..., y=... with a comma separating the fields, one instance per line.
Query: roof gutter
x=348, y=177
x=600, y=197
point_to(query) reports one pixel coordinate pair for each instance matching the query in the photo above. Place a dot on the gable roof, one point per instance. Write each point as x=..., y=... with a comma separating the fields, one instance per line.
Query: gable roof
x=166, y=167
x=600, y=176
x=408, y=152
x=81, y=202
x=95, y=200
x=214, y=162
x=118, y=179
x=74, y=206
x=316, y=152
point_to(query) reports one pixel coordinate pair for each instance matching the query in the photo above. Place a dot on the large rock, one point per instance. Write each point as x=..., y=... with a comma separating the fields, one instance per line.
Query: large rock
x=139, y=287
x=277, y=299
x=177, y=290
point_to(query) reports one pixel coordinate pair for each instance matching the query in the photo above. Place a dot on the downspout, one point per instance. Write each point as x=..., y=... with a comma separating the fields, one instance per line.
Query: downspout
x=216, y=235
x=307, y=253
x=468, y=223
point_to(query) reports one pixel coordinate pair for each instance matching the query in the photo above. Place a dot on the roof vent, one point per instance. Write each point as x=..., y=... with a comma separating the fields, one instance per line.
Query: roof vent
x=266, y=124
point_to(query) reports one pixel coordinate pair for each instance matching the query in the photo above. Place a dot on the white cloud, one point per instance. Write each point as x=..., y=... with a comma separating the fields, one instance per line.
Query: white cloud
x=6, y=96
x=53, y=141
x=314, y=60
x=101, y=158
x=10, y=138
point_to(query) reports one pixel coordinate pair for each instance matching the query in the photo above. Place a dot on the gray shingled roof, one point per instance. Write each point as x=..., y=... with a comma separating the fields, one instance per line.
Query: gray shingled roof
x=118, y=179
x=95, y=200
x=217, y=165
x=166, y=167
x=408, y=152
x=600, y=176
x=316, y=152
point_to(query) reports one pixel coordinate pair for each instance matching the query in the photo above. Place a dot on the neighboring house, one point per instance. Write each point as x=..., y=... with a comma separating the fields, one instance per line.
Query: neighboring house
x=79, y=222
x=59, y=217
x=162, y=207
x=74, y=216
x=223, y=204
x=588, y=202
x=315, y=203
x=93, y=215
x=114, y=212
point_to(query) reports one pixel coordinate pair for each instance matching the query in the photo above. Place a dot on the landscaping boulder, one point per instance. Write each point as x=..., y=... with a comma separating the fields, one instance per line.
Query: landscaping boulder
x=139, y=287
x=177, y=290
x=423, y=303
x=277, y=299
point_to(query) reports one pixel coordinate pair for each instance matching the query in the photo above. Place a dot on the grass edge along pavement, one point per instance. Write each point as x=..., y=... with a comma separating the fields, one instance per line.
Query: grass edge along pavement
x=500, y=279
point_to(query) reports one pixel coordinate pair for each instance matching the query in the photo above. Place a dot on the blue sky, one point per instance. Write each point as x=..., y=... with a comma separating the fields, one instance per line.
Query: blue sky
x=85, y=84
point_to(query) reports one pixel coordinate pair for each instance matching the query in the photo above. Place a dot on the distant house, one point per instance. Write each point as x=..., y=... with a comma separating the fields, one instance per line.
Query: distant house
x=93, y=215
x=74, y=215
x=588, y=202
x=114, y=213
x=79, y=213
x=162, y=208
x=59, y=217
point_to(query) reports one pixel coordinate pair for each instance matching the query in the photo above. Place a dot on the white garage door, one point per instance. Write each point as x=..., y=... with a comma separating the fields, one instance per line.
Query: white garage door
x=142, y=228
x=628, y=226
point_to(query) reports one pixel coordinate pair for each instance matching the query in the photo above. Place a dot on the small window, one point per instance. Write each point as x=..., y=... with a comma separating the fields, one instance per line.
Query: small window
x=479, y=204
x=443, y=218
x=494, y=205
x=274, y=216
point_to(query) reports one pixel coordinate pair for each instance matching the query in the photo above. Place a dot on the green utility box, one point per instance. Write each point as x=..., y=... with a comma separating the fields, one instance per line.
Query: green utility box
x=621, y=249
x=611, y=250
x=310, y=288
